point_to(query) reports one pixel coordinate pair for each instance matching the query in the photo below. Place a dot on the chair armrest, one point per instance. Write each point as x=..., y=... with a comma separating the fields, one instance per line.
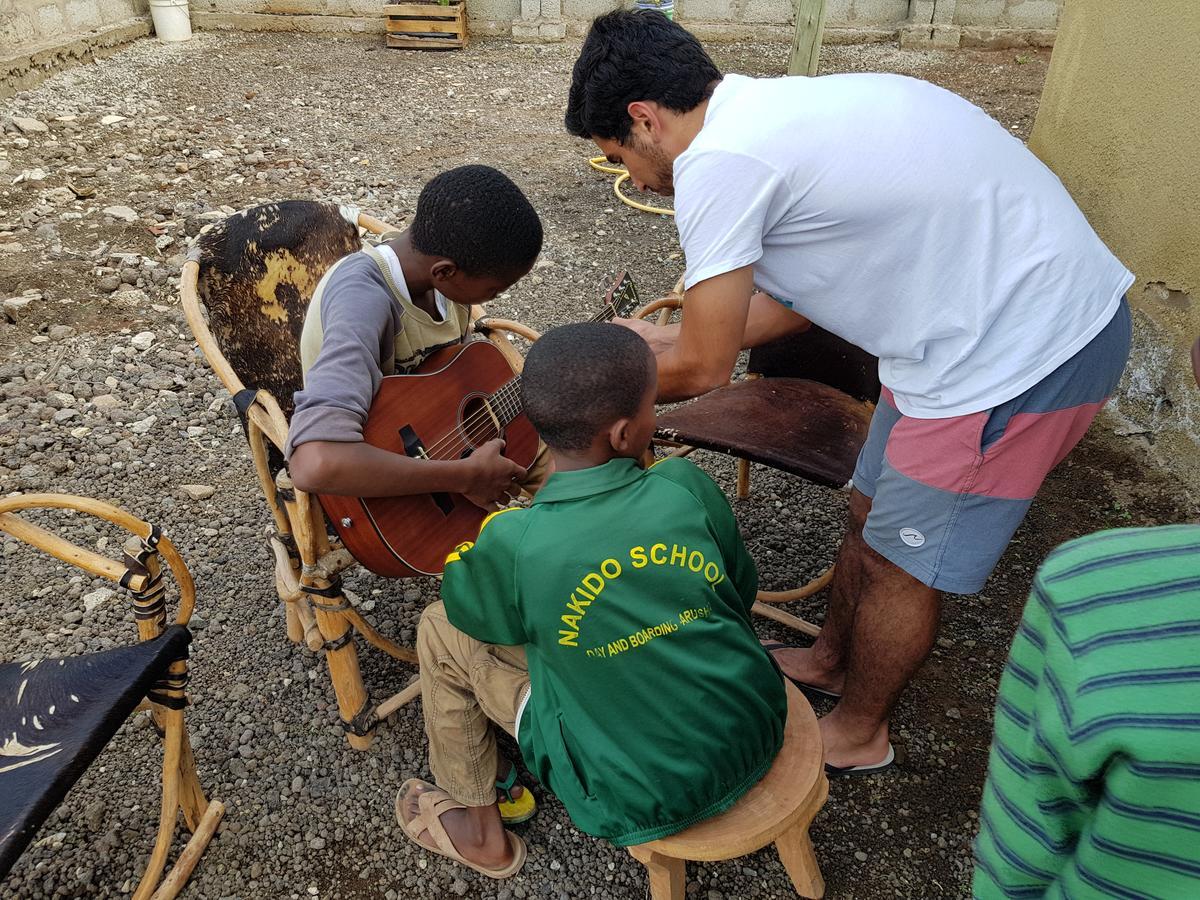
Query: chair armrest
x=89, y=560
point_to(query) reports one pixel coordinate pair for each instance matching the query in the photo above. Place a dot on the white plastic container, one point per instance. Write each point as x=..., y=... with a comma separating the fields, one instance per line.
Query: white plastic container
x=171, y=20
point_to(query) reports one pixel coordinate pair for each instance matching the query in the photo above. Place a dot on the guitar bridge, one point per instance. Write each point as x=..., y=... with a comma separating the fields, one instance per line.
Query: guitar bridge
x=414, y=448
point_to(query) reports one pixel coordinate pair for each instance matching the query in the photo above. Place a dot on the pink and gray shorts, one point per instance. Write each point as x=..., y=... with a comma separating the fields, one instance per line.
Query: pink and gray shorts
x=948, y=494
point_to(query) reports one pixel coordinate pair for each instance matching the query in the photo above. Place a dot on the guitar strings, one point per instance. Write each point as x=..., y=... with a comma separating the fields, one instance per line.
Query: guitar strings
x=473, y=430
x=476, y=426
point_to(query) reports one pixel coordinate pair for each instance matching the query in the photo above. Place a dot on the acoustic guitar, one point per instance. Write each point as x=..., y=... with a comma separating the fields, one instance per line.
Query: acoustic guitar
x=458, y=399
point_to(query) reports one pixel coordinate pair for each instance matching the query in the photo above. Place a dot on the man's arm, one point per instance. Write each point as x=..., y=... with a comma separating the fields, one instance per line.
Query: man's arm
x=698, y=354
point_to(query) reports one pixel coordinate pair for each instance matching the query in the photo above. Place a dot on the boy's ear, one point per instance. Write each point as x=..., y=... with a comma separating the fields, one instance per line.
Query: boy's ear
x=619, y=435
x=443, y=270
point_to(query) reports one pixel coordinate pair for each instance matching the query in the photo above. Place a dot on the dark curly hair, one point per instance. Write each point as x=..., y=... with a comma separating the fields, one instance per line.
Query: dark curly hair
x=632, y=55
x=477, y=217
x=579, y=379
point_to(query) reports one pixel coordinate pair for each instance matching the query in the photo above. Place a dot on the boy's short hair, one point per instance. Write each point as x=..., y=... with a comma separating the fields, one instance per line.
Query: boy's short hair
x=632, y=55
x=579, y=379
x=477, y=217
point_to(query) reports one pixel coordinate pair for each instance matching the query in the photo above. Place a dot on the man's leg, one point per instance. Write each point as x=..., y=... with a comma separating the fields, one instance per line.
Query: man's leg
x=879, y=629
x=465, y=685
x=824, y=664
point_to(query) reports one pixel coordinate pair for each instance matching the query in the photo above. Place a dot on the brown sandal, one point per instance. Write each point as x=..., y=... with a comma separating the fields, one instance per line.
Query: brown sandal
x=431, y=804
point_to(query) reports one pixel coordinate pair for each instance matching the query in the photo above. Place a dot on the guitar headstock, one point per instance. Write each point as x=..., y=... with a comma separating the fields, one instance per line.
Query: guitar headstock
x=621, y=296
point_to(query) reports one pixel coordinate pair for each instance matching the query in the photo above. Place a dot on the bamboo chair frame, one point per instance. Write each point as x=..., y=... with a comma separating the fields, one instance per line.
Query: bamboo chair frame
x=767, y=602
x=308, y=565
x=141, y=574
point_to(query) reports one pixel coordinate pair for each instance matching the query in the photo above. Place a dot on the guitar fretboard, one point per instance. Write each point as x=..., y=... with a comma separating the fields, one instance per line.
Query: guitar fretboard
x=506, y=403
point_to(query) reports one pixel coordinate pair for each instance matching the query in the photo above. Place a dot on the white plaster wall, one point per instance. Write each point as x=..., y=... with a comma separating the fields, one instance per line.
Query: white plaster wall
x=26, y=24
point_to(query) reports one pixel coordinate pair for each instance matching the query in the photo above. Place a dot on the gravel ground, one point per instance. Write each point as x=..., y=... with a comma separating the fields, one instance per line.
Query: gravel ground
x=102, y=393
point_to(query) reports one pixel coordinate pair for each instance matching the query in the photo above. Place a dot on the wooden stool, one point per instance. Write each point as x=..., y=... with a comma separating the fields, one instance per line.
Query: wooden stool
x=778, y=809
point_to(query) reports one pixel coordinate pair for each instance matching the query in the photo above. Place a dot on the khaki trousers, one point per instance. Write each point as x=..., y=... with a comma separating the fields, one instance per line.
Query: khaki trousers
x=466, y=685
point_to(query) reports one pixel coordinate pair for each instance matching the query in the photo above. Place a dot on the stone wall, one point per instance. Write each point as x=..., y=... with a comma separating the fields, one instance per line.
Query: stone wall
x=38, y=36
x=1118, y=124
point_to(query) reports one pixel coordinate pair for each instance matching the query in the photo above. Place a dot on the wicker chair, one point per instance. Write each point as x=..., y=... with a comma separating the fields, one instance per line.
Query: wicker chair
x=58, y=714
x=804, y=408
x=255, y=274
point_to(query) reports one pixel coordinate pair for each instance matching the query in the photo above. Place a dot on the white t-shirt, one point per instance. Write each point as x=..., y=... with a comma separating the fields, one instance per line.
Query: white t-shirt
x=393, y=264
x=901, y=217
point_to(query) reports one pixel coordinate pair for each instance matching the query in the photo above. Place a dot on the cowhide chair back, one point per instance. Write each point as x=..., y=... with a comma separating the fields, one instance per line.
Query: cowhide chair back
x=258, y=271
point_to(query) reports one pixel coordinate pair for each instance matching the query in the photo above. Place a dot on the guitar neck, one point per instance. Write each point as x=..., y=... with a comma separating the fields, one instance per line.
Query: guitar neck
x=506, y=402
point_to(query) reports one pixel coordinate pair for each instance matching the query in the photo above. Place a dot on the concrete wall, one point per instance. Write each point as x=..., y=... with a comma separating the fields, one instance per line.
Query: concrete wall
x=1118, y=122
x=40, y=36
x=36, y=23
x=711, y=19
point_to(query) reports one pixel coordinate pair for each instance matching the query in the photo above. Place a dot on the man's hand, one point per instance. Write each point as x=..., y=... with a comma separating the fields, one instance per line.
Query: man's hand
x=660, y=337
x=492, y=479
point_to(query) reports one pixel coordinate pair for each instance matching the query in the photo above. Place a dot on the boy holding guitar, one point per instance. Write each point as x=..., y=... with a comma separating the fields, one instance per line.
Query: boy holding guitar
x=606, y=627
x=383, y=311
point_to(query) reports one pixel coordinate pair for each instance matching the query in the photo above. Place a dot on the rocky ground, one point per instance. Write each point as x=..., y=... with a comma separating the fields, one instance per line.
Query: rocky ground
x=105, y=173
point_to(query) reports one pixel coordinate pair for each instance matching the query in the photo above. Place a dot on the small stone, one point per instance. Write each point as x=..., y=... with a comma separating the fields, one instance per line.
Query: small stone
x=97, y=598
x=860, y=856
x=15, y=307
x=109, y=283
x=459, y=888
x=317, y=843
x=953, y=713
x=198, y=491
x=71, y=617
x=124, y=213
x=238, y=769
x=112, y=119
x=29, y=126
x=105, y=401
x=143, y=340
x=144, y=425
x=61, y=332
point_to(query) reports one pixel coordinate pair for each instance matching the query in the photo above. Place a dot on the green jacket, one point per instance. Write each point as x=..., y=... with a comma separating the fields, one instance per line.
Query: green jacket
x=653, y=706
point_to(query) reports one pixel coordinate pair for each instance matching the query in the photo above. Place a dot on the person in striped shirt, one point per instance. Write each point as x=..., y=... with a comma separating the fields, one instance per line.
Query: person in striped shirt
x=1093, y=783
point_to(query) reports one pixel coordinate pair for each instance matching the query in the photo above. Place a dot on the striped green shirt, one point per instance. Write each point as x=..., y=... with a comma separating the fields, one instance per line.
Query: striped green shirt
x=1093, y=784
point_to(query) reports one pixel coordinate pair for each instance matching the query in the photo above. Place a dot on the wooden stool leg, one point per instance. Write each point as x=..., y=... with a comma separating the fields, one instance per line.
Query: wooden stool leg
x=796, y=852
x=668, y=876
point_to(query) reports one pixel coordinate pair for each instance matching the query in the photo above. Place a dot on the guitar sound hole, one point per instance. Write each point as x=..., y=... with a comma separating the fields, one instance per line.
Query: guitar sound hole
x=477, y=424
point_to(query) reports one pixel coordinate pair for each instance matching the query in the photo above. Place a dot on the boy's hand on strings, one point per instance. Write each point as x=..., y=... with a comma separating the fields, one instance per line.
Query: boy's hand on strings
x=492, y=479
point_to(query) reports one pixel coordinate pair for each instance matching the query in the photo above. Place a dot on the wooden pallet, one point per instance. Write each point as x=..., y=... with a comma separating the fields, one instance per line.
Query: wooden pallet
x=426, y=26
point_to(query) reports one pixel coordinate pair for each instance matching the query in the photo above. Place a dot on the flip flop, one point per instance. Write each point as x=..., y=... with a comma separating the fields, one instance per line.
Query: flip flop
x=431, y=805
x=840, y=771
x=514, y=810
x=810, y=690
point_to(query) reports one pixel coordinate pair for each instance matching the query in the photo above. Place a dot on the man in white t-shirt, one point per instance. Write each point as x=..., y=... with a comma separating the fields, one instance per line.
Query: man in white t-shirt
x=901, y=217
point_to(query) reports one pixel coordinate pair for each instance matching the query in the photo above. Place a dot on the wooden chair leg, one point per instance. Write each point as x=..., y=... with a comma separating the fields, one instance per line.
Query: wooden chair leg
x=743, y=479
x=668, y=876
x=342, y=657
x=796, y=852
x=172, y=720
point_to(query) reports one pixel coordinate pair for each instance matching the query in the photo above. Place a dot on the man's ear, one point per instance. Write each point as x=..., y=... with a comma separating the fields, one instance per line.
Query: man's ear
x=619, y=434
x=647, y=118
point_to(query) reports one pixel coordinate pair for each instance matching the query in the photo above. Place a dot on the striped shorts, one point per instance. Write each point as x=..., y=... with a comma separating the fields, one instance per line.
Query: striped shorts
x=948, y=494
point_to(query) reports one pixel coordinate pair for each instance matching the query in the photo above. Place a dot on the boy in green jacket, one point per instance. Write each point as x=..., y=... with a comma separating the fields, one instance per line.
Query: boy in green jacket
x=606, y=627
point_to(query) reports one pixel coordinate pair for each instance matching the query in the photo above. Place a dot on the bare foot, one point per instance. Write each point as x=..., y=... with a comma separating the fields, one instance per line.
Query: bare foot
x=476, y=832
x=800, y=664
x=845, y=747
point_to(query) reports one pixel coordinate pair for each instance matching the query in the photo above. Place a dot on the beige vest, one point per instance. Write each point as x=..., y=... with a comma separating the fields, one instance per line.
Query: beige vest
x=419, y=335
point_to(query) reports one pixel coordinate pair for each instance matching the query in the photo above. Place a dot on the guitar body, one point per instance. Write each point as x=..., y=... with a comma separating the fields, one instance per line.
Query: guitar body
x=443, y=410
